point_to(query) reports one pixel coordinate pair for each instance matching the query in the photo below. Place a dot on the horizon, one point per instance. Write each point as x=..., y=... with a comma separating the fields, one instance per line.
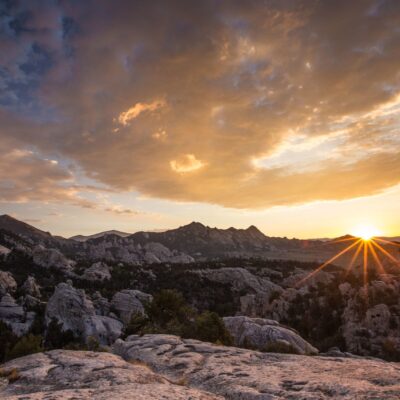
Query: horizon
x=139, y=117
x=155, y=230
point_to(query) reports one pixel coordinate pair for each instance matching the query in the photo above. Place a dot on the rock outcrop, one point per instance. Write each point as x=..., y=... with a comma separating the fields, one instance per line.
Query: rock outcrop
x=76, y=312
x=257, y=290
x=113, y=248
x=63, y=374
x=52, y=258
x=15, y=316
x=127, y=303
x=250, y=375
x=265, y=334
x=98, y=271
x=31, y=287
x=7, y=283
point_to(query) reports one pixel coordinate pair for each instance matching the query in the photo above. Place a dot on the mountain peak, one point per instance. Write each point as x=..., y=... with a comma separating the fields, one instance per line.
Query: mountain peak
x=194, y=226
x=253, y=228
x=18, y=227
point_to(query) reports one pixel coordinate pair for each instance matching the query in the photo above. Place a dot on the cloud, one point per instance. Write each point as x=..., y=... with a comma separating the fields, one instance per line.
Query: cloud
x=25, y=176
x=312, y=85
x=125, y=117
x=186, y=163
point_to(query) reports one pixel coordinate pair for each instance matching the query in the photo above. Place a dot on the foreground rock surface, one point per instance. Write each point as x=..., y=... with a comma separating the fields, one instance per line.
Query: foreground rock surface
x=62, y=374
x=266, y=334
x=240, y=374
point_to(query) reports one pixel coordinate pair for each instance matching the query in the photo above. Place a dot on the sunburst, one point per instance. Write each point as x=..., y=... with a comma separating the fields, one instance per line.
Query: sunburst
x=365, y=244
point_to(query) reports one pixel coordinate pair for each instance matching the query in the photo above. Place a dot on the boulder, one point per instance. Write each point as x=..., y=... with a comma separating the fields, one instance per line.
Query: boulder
x=127, y=303
x=14, y=316
x=156, y=253
x=76, y=312
x=307, y=280
x=7, y=283
x=251, y=375
x=99, y=271
x=4, y=250
x=31, y=287
x=52, y=258
x=83, y=375
x=101, y=304
x=265, y=334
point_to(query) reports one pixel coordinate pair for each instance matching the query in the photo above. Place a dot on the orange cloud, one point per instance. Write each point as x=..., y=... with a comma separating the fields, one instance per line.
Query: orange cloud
x=186, y=163
x=125, y=117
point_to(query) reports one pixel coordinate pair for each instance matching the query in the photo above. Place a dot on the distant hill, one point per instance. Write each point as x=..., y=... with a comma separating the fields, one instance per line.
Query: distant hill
x=82, y=238
x=21, y=228
x=198, y=239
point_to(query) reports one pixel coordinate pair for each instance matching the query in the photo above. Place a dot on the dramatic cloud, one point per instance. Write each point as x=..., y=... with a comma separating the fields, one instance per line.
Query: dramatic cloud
x=243, y=104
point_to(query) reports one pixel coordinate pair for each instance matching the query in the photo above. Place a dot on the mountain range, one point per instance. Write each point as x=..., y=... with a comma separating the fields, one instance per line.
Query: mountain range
x=187, y=243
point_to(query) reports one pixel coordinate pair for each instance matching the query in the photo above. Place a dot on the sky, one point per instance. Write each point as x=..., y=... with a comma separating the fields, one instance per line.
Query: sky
x=142, y=115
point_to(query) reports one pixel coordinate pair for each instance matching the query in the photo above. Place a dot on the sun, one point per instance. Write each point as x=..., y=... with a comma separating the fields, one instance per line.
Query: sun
x=366, y=232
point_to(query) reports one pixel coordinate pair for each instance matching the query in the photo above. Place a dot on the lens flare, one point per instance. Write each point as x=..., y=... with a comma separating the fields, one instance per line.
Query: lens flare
x=366, y=246
x=366, y=232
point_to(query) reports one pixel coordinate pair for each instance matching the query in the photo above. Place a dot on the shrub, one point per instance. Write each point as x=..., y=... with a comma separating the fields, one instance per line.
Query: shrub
x=56, y=338
x=29, y=344
x=137, y=324
x=169, y=313
x=209, y=327
x=12, y=374
x=7, y=340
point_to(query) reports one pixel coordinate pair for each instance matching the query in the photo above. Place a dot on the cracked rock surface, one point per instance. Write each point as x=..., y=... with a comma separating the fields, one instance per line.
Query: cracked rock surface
x=65, y=374
x=240, y=374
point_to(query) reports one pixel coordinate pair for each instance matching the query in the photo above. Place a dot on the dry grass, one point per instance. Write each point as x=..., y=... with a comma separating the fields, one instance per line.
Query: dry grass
x=181, y=382
x=11, y=374
x=139, y=363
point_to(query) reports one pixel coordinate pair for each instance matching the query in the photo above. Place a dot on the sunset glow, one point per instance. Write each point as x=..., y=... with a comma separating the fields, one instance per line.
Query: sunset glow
x=366, y=232
x=228, y=113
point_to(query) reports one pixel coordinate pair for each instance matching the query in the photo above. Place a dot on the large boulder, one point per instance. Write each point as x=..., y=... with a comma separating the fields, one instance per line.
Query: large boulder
x=76, y=312
x=82, y=375
x=98, y=271
x=14, y=316
x=251, y=375
x=265, y=334
x=7, y=283
x=127, y=303
x=52, y=258
x=156, y=253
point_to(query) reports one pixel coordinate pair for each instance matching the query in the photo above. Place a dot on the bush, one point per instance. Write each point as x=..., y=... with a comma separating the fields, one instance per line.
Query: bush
x=169, y=313
x=209, y=327
x=7, y=340
x=29, y=344
x=137, y=324
x=169, y=306
x=56, y=338
x=12, y=374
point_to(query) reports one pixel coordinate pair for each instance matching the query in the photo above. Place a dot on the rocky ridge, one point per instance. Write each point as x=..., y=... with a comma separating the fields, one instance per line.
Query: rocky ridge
x=250, y=375
x=79, y=375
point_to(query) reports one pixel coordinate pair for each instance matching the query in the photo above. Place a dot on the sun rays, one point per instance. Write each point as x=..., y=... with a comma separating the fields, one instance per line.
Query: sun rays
x=367, y=248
